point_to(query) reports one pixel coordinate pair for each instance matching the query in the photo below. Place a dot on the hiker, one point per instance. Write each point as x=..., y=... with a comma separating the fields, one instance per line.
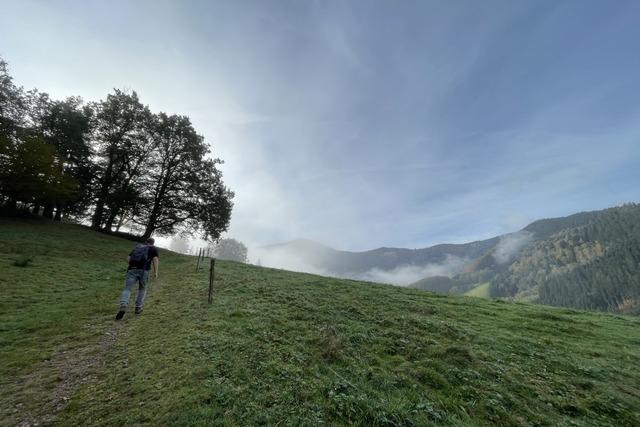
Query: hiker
x=140, y=260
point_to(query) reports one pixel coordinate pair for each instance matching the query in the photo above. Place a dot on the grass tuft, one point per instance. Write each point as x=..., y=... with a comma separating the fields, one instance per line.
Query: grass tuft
x=457, y=355
x=22, y=261
x=550, y=316
x=330, y=346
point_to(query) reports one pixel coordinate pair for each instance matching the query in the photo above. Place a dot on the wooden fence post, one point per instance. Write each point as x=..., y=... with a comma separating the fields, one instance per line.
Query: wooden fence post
x=211, y=277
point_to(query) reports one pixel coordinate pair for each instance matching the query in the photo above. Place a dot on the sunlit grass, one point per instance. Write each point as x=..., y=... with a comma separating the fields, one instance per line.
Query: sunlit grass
x=289, y=348
x=480, y=291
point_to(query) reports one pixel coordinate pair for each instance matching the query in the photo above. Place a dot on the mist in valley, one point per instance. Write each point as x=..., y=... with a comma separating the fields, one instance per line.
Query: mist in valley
x=401, y=275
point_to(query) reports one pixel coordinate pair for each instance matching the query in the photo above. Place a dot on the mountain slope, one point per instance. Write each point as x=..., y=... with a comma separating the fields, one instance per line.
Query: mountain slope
x=288, y=348
x=472, y=263
x=593, y=264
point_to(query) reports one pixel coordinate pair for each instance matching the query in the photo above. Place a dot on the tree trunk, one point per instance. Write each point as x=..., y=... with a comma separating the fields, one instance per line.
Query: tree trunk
x=109, y=224
x=12, y=205
x=150, y=228
x=48, y=210
x=147, y=233
x=98, y=213
x=155, y=211
x=151, y=224
x=96, y=221
x=59, y=210
x=97, y=216
x=120, y=222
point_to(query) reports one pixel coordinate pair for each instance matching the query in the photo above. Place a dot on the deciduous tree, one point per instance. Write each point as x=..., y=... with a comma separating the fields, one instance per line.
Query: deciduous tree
x=121, y=136
x=231, y=250
x=185, y=189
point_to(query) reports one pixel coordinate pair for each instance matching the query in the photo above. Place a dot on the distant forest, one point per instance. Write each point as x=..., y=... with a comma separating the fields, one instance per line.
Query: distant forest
x=593, y=266
x=110, y=163
x=589, y=260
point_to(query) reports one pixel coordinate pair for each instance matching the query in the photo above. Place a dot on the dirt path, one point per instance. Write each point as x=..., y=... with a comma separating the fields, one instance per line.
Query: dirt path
x=73, y=368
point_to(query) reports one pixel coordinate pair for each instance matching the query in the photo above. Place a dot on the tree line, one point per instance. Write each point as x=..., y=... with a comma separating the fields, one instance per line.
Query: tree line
x=110, y=164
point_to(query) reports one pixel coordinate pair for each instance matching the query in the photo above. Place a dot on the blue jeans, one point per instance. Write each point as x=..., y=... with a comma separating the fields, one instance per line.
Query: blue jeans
x=136, y=275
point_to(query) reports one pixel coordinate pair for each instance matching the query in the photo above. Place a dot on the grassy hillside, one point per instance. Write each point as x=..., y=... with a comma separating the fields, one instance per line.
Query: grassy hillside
x=480, y=291
x=285, y=348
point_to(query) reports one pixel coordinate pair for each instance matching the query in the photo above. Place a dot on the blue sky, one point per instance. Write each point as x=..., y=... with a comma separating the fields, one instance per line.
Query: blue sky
x=369, y=123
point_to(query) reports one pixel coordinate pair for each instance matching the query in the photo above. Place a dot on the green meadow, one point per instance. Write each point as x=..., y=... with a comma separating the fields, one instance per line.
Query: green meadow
x=480, y=291
x=284, y=348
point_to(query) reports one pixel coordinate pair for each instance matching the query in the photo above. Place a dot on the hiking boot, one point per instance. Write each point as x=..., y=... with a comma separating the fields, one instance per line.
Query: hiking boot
x=120, y=315
x=138, y=310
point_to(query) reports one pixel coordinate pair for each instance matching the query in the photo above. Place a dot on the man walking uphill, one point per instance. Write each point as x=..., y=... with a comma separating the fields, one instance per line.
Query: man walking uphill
x=140, y=260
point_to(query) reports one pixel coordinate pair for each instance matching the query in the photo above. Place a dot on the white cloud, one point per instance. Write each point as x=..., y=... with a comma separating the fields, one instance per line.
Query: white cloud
x=510, y=246
x=407, y=274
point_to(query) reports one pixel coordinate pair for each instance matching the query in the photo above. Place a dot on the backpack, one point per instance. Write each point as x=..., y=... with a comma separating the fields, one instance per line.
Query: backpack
x=139, y=256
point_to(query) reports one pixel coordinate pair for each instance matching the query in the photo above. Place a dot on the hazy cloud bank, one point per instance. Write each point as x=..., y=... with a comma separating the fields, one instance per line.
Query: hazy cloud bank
x=405, y=275
x=285, y=260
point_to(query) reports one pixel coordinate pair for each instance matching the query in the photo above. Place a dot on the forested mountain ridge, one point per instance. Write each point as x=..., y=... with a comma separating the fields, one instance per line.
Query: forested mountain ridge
x=547, y=227
x=477, y=256
x=595, y=265
x=589, y=260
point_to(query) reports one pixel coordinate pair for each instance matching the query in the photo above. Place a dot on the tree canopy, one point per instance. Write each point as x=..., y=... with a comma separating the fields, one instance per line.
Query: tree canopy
x=111, y=163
